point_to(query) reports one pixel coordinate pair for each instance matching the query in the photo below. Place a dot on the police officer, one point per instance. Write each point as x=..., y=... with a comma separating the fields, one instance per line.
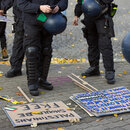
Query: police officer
x=98, y=32
x=37, y=41
x=17, y=50
x=2, y=36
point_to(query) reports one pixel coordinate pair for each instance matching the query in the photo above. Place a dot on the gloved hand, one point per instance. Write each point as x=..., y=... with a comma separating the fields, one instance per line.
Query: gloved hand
x=1, y=12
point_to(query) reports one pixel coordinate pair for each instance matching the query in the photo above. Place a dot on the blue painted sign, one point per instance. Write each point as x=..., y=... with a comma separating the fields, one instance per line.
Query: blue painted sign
x=105, y=102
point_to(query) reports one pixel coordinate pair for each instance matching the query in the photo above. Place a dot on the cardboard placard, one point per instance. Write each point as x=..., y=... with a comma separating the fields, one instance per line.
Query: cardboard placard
x=105, y=102
x=50, y=112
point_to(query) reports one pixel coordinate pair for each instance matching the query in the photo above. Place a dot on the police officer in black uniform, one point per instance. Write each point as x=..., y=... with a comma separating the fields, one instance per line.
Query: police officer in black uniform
x=98, y=32
x=3, y=36
x=17, y=50
x=37, y=41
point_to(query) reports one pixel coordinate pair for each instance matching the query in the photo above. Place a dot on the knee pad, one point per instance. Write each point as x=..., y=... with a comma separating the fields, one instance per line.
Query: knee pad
x=31, y=51
x=47, y=51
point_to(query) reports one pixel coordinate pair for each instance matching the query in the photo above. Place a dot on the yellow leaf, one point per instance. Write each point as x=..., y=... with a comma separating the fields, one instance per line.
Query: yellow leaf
x=70, y=33
x=60, y=129
x=1, y=75
x=32, y=99
x=116, y=115
x=115, y=39
x=124, y=71
x=1, y=88
x=83, y=59
x=120, y=75
x=62, y=67
x=44, y=101
x=22, y=102
x=101, y=71
x=83, y=77
x=72, y=45
x=69, y=109
x=36, y=112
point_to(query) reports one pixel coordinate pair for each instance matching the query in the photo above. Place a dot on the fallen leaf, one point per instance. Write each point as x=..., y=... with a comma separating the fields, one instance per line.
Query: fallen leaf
x=83, y=77
x=60, y=129
x=124, y=71
x=101, y=71
x=71, y=33
x=1, y=88
x=36, y=112
x=18, y=93
x=115, y=39
x=62, y=67
x=120, y=75
x=1, y=75
x=22, y=102
x=72, y=45
x=31, y=99
x=116, y=115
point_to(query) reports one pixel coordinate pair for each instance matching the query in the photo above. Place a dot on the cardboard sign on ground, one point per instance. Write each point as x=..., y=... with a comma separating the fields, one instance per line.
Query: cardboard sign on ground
x=105, y=102
x=50, y=112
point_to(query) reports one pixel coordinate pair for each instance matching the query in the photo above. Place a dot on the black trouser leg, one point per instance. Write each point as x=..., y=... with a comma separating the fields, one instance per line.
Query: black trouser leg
x=105, y=47
x=17, y=50
x=93, y=51
x=2, y=35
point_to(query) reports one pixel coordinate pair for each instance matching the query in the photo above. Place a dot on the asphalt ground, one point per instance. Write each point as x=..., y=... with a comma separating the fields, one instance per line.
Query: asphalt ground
x=72, y=45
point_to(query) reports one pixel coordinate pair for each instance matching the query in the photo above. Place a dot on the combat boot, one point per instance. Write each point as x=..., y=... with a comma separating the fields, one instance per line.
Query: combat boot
x=91, y=71
x=32, y=70
x=4, y=54
x=45, y=64
x=110, y=77
x=13, y=72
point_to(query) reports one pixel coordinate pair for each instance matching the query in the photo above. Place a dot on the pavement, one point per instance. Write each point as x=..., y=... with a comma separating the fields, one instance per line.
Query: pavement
x=72, y=45
x=63, y=89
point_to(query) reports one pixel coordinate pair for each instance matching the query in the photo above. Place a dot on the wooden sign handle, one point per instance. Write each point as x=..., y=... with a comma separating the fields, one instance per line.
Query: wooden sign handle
x=24, y=94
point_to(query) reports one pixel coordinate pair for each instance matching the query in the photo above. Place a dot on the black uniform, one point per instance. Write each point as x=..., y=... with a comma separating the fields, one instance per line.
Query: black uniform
x=17, y=50
x=2, y=32
x=37, y=41
x=98, y=33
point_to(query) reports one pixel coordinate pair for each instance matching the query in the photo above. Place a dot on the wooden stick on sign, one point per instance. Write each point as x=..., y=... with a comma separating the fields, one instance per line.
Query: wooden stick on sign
x=80, y=85
x=24, y=94
x=84, y=82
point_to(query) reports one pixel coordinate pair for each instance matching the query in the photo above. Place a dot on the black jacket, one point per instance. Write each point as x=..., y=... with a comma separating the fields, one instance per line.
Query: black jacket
x=78, y=8
x=6, y=4
x=31, y=8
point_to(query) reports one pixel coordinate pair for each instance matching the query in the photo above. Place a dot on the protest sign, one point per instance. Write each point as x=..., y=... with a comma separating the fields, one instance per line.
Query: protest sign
x=22, y=115
x=105, y=102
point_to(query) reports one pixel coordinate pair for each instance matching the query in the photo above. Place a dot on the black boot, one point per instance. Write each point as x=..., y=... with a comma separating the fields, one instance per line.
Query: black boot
x=46, y=60
x=13, y=72
x=32, y=70
x=110, y=77
x=91, y=71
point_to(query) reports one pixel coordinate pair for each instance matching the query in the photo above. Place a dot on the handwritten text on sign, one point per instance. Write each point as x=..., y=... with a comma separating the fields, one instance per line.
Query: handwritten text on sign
x=49, y=112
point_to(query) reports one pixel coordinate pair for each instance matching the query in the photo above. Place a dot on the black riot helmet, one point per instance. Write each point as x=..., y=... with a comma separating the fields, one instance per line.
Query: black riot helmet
x=91, y=8
x=56, y=23
x=126, y=47
x=53, y=23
